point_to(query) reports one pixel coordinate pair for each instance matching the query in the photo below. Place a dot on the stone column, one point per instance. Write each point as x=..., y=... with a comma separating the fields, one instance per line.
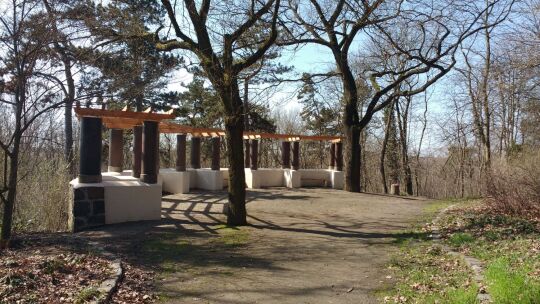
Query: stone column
x=286, y=154
x=215, y=153
x=181, y=152
x=137, y=151
x=339, y=156
x=150, y=140
x=332, y=156
x=195, y=152
x=296, y=155
x=90, y=150
x=247, y=157
x=254, y=154
x=116, y=150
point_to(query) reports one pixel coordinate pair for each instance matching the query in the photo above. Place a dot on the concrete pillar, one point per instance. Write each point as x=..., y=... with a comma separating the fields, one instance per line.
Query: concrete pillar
x=116, y=150
x=332, y=156
x=215, y=153
x=296, y=155
x=181, y=152
x=150, y=141
x=254, y=154
x=196, y=152
x=247, y=157
x=286, y=154
x=90, y=150
x=137, y=151
x=339, y=156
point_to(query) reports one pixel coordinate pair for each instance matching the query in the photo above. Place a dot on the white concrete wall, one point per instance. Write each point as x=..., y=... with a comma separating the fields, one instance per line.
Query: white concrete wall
x=315, y=178
x=207, y=179
x=264, y=178
x=175, y=181
x=292, y=178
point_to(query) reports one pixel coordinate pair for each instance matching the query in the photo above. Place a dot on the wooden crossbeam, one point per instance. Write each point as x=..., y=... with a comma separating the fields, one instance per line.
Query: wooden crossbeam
x=119, y=114
x=169, y=127
x=125, y=119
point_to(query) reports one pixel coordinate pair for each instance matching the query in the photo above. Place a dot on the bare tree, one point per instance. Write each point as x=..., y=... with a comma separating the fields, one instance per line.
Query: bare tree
x=26, y=94
x=435, y=29
x=216, y=38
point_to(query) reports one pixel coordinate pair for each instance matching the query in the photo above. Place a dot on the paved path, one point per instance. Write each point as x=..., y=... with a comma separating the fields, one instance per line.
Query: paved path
x=303, y=246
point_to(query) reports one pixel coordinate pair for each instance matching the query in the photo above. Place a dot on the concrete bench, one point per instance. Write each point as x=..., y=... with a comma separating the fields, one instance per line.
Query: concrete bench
x=314, y=182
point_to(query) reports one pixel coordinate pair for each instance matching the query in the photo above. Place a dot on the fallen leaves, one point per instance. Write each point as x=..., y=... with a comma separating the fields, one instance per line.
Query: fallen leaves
x=48, y=274
x=136, y=287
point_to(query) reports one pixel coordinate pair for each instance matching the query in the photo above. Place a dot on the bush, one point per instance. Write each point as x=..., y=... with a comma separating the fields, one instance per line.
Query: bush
x=42, y=195
x=513, y=186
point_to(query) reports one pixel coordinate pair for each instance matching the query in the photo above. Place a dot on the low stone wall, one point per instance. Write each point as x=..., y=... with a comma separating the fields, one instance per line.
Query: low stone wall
x=88, y=208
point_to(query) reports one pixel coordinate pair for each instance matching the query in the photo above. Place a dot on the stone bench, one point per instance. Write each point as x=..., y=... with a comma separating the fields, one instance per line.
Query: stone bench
x=314, y=182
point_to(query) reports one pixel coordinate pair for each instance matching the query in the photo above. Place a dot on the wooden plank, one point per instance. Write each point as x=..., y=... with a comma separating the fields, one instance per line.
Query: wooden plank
x=90, y=112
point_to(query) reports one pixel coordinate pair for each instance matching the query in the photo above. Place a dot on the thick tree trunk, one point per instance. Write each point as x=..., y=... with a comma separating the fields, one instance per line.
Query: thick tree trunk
x=351, y=128
x=234, y=129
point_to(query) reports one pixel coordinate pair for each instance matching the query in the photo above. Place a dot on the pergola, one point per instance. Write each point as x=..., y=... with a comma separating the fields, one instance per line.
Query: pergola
x=146, y=128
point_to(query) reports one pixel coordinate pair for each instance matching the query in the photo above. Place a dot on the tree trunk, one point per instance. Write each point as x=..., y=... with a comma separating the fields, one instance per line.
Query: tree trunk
x=383, y=149
x=9, y=202
x=234, y=129
x=351, y=128
x=402, y=124
x=246, y=104
x=68, y=118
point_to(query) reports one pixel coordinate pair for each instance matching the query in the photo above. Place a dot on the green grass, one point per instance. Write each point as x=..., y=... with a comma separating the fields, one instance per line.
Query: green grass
x=232, y=236
x=509, y=248
x=87, y=295
x=426, y=275
x=460, y=239
x=511, y=285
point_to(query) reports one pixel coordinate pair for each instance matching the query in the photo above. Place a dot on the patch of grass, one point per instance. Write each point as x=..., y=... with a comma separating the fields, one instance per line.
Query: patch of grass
x=406, y=237
x=426, y=275
x=165, y=246
x=53, y=265
x=460, y=239
x=511, y=285
x=509, y=247
x=232, y=236
x=87, y=295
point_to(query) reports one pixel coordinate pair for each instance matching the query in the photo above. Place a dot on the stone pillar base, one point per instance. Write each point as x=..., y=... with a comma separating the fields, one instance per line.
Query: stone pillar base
x=337, y=179
x=114, y=169
x=175, y=181
x=87, y=208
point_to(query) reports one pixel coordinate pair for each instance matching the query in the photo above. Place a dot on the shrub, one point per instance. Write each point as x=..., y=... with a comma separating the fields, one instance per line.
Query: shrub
x=513, y=186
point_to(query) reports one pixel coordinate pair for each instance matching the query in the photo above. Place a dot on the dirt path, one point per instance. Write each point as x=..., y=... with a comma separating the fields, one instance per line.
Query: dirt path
x=303, y=246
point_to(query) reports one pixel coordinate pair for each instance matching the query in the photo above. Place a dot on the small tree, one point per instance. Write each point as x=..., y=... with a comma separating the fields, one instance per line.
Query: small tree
x=25, y=95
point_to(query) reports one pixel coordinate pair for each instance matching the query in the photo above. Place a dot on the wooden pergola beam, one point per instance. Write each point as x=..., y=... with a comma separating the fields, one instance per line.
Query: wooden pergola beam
x=141, y=116
x=125, y=119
